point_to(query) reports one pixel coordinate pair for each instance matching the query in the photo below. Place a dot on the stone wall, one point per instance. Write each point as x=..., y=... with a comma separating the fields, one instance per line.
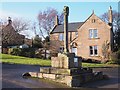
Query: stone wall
x=55, y=43
x=84, y=41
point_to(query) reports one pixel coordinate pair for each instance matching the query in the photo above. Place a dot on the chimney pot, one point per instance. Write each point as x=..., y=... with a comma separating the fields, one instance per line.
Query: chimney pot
x=9, y=20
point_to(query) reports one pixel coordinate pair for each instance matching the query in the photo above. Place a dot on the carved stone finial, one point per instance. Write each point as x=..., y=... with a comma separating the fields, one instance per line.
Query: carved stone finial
x=66, y=10
x=110, y=8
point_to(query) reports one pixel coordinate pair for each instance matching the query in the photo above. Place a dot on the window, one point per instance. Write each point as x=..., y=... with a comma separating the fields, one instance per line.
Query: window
x=93, y=50
x=61, y=36
x=93, y=33
x=93, y=20
x=76, y=34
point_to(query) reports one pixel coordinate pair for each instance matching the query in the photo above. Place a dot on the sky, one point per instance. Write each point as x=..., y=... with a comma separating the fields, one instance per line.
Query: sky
x=78, y=11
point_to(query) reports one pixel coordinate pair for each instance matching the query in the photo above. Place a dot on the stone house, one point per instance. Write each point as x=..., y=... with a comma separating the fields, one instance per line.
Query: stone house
x=86, y=39
x=9, y=37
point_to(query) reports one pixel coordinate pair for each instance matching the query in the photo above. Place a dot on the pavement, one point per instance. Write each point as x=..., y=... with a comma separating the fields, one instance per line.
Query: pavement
x=12, y=78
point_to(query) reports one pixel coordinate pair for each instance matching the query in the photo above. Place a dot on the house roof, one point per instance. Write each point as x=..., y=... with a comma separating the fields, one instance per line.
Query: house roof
x=72, y=27
x=10, y=37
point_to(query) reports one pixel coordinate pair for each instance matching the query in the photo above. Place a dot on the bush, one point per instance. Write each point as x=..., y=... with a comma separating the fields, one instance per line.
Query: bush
x=26, y=52
x=115, y=58
x=16, y=51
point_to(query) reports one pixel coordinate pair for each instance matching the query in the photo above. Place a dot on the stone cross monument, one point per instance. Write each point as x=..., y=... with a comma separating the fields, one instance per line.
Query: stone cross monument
x=66, y=67
x=66, y=13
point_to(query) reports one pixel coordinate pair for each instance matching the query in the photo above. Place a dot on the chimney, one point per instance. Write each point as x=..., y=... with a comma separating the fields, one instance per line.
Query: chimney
x=110, y=16
x=56, y=20
x=9, y=20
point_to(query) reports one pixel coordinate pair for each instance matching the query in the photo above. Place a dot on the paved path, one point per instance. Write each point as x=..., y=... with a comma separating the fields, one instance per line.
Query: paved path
x=113, y=82
x=12, y=78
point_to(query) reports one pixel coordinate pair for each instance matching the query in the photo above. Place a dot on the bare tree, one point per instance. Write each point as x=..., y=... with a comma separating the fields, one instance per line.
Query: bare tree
x=34, y=28
x=47, y=19
x=115, y=15
x=20, y=24
x=105, y=50
x=116, y=29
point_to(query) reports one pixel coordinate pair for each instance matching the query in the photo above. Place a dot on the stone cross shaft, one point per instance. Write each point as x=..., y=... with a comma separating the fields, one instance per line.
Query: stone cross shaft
x=66, y=13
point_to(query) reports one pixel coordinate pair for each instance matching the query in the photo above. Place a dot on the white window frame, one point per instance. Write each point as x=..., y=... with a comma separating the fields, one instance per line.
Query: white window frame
x=93, y=50
x=92, y=33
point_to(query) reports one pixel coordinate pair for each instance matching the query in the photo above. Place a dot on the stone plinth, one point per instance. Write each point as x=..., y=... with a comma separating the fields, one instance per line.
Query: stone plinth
x=67, y=69
x=66, y=61
x=72, y=71
x=74, y=79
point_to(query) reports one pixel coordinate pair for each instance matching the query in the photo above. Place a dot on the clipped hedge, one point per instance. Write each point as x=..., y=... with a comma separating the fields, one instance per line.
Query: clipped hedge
x=26, y=52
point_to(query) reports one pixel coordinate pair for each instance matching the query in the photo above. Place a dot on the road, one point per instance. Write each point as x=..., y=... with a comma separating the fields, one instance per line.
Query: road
x=12, y=78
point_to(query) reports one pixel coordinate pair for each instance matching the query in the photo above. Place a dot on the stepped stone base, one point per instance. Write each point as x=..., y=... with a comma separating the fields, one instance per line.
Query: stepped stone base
x=69, y=77
x=72, y=71
x=67, y=69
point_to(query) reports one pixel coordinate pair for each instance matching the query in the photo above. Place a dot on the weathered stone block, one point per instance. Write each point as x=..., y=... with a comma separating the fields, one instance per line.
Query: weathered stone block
x=54, y=70
x=45, y=70
x=60, y=77
x=40, y=75
x=55, y=62
x=68, y=80
x=49, y=76
x=60, y=71
x=33, y=74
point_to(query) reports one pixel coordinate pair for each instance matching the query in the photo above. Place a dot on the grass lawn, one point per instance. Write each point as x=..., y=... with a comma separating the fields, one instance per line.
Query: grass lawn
x=35, y=61
x=24, y=60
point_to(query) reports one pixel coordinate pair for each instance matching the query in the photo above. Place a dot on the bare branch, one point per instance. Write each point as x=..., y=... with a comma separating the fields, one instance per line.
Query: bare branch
x=47, y=20
x=20, y=25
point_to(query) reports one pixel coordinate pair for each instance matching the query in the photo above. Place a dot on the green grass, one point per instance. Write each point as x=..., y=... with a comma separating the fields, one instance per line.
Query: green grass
x=5, y=56
x=96, y=65
x=11, y=59
x=24, y=60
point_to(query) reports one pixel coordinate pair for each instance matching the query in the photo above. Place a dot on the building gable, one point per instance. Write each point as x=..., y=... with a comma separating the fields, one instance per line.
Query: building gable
x=95, y=20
